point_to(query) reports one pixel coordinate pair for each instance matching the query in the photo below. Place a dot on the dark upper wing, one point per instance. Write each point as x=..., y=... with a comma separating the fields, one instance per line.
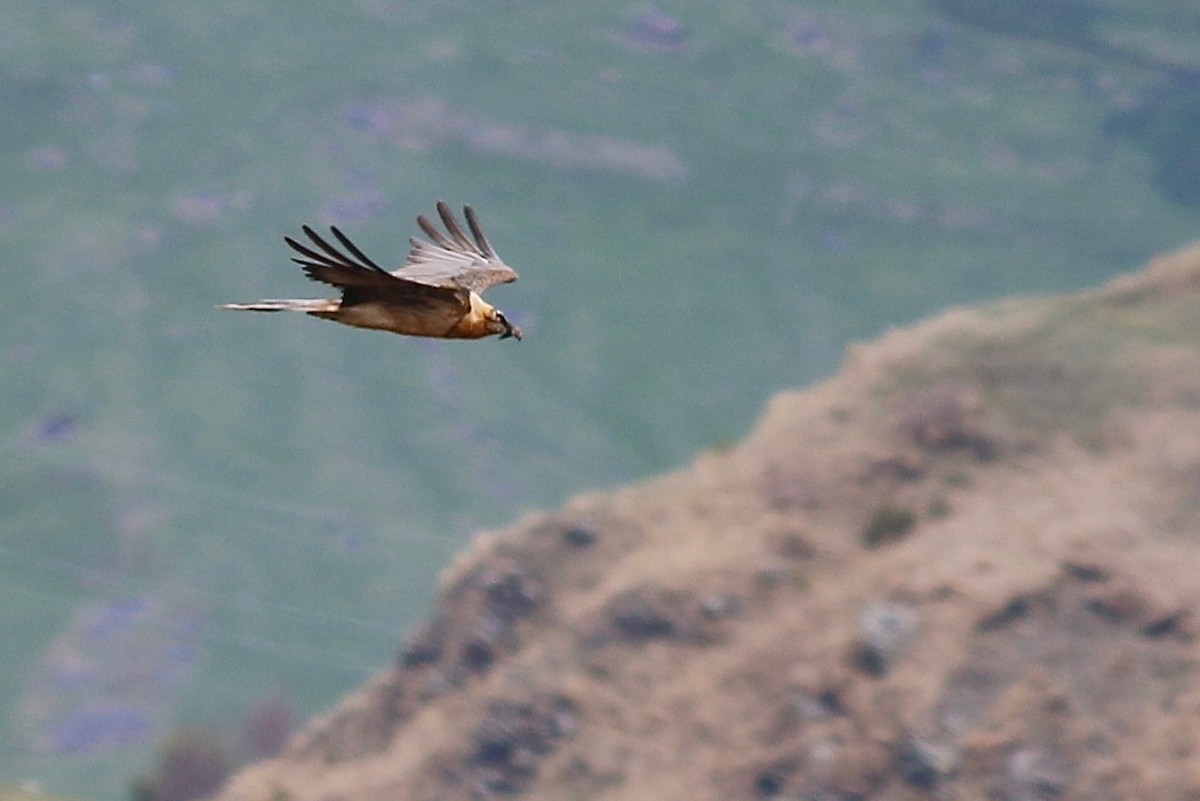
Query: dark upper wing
x=359, y=277
x=453, y=258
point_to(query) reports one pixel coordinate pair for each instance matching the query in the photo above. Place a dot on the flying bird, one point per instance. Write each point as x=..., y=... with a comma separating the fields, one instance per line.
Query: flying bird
x=437, y=292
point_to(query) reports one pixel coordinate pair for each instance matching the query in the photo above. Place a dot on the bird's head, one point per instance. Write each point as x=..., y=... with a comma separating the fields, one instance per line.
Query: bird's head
x=503, y=327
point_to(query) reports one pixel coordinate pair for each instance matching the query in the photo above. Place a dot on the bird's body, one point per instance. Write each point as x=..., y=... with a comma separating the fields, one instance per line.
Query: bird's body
x=436, y=293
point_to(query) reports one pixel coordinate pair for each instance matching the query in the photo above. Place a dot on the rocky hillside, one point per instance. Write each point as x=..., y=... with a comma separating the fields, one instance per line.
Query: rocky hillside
x=967, y=566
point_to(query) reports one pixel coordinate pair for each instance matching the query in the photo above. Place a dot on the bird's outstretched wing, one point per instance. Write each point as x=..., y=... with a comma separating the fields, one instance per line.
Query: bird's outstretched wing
x=455, y=260
x=360, y=278
x=452, y=262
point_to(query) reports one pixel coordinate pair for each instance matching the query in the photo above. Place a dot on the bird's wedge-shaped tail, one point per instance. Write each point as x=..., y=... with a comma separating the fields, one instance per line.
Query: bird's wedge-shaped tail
x=437, y=292
x=288, y=304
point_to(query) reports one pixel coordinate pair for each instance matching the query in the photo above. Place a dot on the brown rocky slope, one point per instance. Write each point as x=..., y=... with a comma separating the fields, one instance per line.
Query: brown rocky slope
x=968, y=566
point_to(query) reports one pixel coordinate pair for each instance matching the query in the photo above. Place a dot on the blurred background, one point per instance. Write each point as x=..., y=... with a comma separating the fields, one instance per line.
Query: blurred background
x=222, y=523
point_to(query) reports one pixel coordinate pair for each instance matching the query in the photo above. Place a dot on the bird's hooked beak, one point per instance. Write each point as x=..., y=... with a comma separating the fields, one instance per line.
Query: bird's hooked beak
x=510, y=330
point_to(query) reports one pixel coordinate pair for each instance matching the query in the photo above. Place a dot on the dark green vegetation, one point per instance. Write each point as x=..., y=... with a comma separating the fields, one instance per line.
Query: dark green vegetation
x=1166, y=124
x=1168, y=127
x=701, y=215
x=888, y=524
x=191, y=764
x=1059, y=20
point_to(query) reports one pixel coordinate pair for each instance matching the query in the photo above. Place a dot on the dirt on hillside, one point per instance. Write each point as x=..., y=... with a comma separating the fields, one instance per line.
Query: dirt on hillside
x=967, y=566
